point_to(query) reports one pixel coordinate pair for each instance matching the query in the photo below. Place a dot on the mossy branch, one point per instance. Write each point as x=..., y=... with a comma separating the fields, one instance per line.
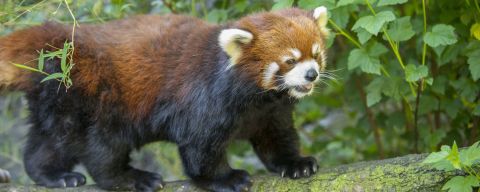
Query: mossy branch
x=405, y=173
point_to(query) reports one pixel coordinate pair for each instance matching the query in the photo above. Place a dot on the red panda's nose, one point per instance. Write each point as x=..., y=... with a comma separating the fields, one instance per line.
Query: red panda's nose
x=311, y=75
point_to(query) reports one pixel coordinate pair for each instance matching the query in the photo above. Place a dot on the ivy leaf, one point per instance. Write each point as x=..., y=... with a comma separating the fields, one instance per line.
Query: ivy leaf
x=360, y=58
x=470, y=155
x=461, y=184
x=413, y=73
x=391, y=2
x=282, y=4
x=475, y=30
x=454, y=156
x=373, y=23
x=401, y=29
x=474, y=65
x=441, y=34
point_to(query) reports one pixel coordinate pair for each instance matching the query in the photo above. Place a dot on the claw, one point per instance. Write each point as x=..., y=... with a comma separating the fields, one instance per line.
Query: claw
x=315, y=168
x=283, y=173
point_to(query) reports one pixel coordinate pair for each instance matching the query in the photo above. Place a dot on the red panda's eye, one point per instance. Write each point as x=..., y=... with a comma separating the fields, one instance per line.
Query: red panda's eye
x=291, y=61
x=315, y=56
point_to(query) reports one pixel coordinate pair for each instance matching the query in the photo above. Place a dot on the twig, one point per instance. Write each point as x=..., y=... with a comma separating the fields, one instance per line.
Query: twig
x=415, y=124
x=370, y=118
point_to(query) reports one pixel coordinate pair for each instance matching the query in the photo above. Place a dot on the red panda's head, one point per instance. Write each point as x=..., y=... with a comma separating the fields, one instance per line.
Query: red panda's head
x=283, y=50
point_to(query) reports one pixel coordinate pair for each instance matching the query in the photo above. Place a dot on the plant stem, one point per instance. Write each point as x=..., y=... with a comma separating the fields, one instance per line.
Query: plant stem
x=424, y=52
x=394, y=47
x=345, y=34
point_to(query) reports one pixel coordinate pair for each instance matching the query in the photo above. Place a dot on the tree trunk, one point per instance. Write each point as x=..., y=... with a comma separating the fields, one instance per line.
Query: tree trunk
x=398, y=174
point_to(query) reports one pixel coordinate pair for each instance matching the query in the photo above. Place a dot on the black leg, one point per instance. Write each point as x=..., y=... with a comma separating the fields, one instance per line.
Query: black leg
x=48, y=164
x=107, y=159
x=277, y=146
x=207, y=165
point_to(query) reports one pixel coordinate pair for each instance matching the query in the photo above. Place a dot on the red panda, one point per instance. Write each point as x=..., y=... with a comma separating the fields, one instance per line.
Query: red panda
x=173, y=78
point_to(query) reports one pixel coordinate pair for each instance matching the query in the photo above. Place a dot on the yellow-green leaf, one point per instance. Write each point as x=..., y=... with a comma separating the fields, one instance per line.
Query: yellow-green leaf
x=475, y=30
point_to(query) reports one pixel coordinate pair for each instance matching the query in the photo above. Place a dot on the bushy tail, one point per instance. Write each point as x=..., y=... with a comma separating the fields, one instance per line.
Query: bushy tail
x=22, y=47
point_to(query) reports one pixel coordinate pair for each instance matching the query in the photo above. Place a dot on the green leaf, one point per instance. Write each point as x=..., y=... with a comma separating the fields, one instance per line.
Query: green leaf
x=373, y=98
x=26, y=67
x=53, y=76
x=454, y=156
x=476, y=111
x=435, y=157
x=470, y=155
x=282, y=4
x=474, y=64
x=367, y=63
x=461, y=184
x=341, y=15
x=376, y=49
x=390, y=2
x=475, y=30
x=373, y=23
x=349, y=2
x=401, y=29
x=363, y=35
x=441, y=34
x=63, y=61
x=41, y=61
x=414, y=73
x=217, y=15
x=311, y=4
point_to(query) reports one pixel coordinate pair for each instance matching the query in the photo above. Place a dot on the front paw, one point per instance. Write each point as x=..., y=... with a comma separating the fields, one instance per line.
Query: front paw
x=298, y=168
x=234, y=181
x=147, y=181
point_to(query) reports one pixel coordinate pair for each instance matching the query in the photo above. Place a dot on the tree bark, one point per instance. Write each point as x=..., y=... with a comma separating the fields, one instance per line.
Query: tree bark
x=397, y=174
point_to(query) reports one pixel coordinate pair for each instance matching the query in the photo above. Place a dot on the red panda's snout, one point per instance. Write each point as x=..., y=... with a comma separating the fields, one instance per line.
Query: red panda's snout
x=283, y=51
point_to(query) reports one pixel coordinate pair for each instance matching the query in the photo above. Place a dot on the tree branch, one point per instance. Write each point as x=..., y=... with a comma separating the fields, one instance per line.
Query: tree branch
x=397, y=174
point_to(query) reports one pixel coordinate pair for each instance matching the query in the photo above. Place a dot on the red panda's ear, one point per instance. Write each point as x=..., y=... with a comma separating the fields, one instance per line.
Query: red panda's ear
x=321, y=18
x=231, y=41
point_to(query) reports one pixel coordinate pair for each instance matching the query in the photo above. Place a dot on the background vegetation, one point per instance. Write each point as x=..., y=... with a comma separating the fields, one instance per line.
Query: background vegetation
x=407, y=76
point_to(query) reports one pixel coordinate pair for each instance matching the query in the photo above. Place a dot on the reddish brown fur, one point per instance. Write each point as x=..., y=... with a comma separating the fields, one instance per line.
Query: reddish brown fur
x=123, y=54
x=278, y=32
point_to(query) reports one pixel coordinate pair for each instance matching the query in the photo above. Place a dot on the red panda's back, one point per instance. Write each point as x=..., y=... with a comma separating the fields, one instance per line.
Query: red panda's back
x=133, y=58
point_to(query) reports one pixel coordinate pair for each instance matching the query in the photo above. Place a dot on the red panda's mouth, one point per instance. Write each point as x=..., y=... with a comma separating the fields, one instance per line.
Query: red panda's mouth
x=303, y=88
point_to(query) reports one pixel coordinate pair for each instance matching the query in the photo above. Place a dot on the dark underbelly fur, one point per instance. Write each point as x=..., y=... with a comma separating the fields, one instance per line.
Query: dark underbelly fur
x=67, y=129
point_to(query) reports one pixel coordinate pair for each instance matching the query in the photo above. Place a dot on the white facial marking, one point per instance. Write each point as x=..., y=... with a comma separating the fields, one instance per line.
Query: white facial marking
x=296, y=53
x=296, y=76
x=315, y=48
x=324, y=59
x=269, y=74
x=229, y=39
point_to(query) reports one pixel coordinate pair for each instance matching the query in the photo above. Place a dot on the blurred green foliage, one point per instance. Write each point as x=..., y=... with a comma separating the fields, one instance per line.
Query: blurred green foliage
x=407, y=76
